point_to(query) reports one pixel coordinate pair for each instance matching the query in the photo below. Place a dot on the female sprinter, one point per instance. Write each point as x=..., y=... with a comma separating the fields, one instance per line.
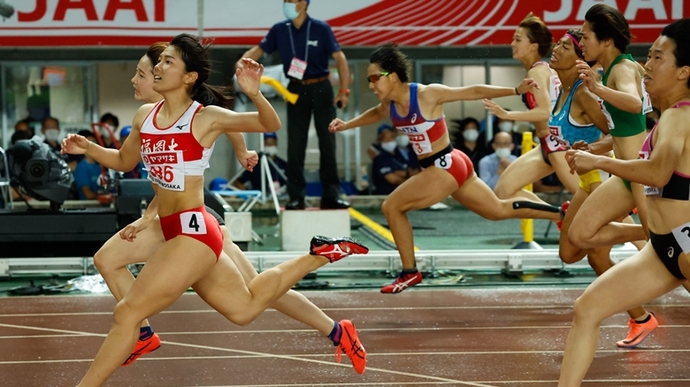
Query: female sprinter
x=139, y=240
x=417, y=111
x=606, y=36
x=531, y=42
x=175, y=138
x=664, y=263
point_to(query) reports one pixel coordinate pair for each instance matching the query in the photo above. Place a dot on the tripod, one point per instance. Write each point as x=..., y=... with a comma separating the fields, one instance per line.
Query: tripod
x=266, y=176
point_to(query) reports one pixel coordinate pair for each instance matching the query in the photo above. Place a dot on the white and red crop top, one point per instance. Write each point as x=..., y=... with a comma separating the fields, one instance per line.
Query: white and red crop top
x=172, y=153
x=554, y=88
x=421, y=132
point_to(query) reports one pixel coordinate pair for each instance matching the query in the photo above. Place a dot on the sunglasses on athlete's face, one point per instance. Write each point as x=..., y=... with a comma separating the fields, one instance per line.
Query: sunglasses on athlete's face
x=373, y=78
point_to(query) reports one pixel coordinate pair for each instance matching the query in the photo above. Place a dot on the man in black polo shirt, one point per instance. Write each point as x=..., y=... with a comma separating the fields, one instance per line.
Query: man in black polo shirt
x=305, y=46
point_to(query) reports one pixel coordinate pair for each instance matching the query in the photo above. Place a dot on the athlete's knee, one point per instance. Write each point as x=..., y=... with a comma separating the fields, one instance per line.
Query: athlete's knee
x=587, y=311
x=126, y=313
x=389, y=207
x=579, y=237
x=102, y=260
x=570, y=256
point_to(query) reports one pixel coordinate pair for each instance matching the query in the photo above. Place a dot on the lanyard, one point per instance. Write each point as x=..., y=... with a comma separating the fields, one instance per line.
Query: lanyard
x=292, y=42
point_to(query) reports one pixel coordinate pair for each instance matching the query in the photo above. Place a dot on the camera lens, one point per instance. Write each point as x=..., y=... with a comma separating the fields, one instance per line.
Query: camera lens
x=37, y=170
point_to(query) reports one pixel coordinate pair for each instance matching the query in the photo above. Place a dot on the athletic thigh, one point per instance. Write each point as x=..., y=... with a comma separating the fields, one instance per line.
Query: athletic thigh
x=175, y=266
x=525, y=170
x=634, y=281
x=422, y=190
x=237, y=256
x=223, y=288
x=118, y=252
x=610, y=202
x=571, y=181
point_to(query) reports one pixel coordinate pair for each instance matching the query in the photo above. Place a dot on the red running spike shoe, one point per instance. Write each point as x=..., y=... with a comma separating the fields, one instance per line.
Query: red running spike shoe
x=402, y=282
x=336, y=249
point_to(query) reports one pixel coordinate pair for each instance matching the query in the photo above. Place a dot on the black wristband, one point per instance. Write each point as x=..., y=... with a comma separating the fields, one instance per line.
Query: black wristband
x=516, y=91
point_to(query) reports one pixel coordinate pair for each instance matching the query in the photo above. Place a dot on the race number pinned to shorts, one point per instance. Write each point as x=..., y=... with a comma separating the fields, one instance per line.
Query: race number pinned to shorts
x=444, y=162
x=682, y=235
x=297, y=68
x=193, y=222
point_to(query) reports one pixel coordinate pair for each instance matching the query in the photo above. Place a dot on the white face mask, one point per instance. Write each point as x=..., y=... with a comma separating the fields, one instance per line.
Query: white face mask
x=505, y=126
x=105, y=133
x=389, y=146
x=503, y=153
x=271, y=150
x=52, y=134
x=402, y=140
x=290, y=11
x=470, y=134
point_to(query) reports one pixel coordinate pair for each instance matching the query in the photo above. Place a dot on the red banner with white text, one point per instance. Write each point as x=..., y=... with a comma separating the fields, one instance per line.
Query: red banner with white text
x=437, y=23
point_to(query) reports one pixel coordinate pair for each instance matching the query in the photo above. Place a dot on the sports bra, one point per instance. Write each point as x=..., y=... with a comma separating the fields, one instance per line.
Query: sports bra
x=421, y=132
x=678, y=187
x=172, y=153
x=563, y=126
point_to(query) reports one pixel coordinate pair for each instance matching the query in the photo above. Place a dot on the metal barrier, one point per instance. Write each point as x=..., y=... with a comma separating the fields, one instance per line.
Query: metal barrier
x=378, y=261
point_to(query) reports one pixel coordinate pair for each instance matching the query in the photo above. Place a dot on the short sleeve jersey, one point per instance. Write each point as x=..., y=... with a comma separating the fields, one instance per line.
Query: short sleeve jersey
x=313, y=42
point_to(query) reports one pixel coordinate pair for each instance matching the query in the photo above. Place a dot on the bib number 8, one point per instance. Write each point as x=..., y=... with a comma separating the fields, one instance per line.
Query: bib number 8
x=444, y=162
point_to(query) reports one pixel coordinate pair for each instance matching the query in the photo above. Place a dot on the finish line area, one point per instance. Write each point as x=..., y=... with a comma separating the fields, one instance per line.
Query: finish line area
x=456, y=247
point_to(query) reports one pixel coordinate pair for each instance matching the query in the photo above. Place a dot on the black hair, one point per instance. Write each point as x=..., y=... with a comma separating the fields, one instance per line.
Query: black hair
x=86, y=133
x=50, y=118
x=467, y=121
x=112, y=118
x=391, y=59
x=679, y=32
x=538, y=32
x=20, y=135
x=609, y=23
x=577, y=34
x=195, y=56
x=154, y=53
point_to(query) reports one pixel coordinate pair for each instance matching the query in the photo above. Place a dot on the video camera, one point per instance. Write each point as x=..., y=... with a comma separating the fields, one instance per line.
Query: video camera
x=37, y=171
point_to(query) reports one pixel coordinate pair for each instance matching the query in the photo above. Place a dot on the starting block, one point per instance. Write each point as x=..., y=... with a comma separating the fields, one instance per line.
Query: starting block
x=297, y=227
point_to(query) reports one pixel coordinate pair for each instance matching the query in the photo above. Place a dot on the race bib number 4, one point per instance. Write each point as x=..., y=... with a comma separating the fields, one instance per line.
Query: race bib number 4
x=193, y=222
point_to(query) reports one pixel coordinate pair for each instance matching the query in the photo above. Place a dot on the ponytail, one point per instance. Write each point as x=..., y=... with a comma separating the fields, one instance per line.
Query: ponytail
x=208, y=95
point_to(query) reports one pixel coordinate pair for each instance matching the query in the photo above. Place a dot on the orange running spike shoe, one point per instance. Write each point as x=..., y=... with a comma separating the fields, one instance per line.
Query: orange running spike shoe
x=353, y=348
x=143, y=347
x=638, y=332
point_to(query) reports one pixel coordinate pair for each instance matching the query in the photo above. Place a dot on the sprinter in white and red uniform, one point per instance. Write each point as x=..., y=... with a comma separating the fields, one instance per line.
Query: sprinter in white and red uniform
x=531, y=42
x=139, y=240
x=417, y=110
x=193, y=241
